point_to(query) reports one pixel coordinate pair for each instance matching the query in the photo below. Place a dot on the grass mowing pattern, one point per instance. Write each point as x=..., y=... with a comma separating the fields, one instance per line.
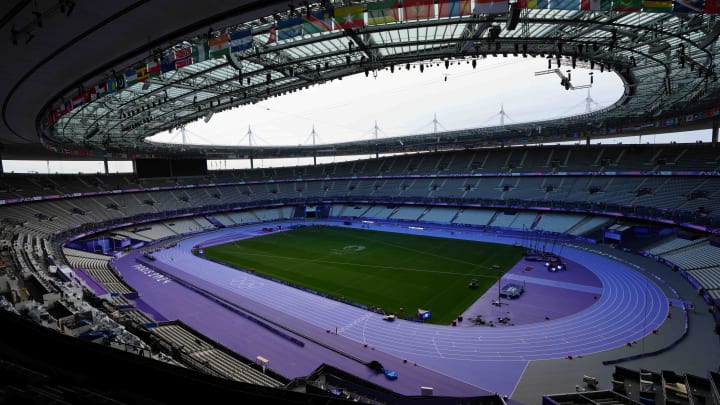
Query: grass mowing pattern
x=381, y=269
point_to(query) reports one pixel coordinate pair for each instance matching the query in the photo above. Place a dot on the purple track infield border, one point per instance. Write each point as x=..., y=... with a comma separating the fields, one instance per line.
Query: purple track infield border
x=607, y=304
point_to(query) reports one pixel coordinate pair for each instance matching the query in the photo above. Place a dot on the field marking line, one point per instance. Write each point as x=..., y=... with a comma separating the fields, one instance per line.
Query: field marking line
x=354, y=322
x=437, y=349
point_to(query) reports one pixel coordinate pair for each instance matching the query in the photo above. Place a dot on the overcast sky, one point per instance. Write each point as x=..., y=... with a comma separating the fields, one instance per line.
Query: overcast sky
x=401, y=103
x=405, y=102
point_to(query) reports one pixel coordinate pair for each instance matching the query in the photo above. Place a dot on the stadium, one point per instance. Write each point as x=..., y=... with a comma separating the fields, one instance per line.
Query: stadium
x=510, y=264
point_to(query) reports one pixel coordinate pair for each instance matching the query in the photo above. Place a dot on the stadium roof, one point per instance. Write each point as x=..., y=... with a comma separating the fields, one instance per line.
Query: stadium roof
x=89, y=80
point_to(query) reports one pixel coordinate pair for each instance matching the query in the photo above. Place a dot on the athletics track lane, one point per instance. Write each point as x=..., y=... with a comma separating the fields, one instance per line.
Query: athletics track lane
x=629, y=308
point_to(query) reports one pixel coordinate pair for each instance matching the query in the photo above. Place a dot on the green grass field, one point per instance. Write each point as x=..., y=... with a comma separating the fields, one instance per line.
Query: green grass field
x=379, y=269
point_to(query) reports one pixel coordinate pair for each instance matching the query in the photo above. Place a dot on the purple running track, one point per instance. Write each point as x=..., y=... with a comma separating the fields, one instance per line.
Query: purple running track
x=619, y=305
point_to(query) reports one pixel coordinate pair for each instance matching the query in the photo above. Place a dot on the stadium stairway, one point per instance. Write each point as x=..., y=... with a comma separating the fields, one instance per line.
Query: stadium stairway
x=538, y=217
x=571, y=231
x=494, y=216
x=420, y=218
x=214, y=221
x=457, y=214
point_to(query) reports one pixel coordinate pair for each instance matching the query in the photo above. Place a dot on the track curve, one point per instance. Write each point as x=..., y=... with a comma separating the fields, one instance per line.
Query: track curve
x=630, y=307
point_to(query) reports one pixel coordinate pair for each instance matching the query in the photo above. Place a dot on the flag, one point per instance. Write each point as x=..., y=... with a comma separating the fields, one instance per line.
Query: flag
x=183, y=57
x=200, y=52
x=491, y=7
x=564, y=4
x=101, y=90
x=349, y=17
x=590, y=5
x=88, y=95
x=54, y=116
x=168, y=63
x=219, y=46
x=111, y=85
x=712, y=6
x=382, y=12
x=142, y=73
x=628, y=6
x=418, y=9
x=76, y=101
x=272, y=35
x=289, y=28
x=657, y=6
x=120, y=80
x=130, y=77
x=153, y=68
x=454, y=8
x=534, y=4
x=688, y=6
x=240, y=40
x=317, y=21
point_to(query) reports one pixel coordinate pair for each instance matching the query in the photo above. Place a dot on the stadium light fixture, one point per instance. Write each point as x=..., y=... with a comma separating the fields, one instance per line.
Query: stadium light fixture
x=209, y=116
x=92, y=132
